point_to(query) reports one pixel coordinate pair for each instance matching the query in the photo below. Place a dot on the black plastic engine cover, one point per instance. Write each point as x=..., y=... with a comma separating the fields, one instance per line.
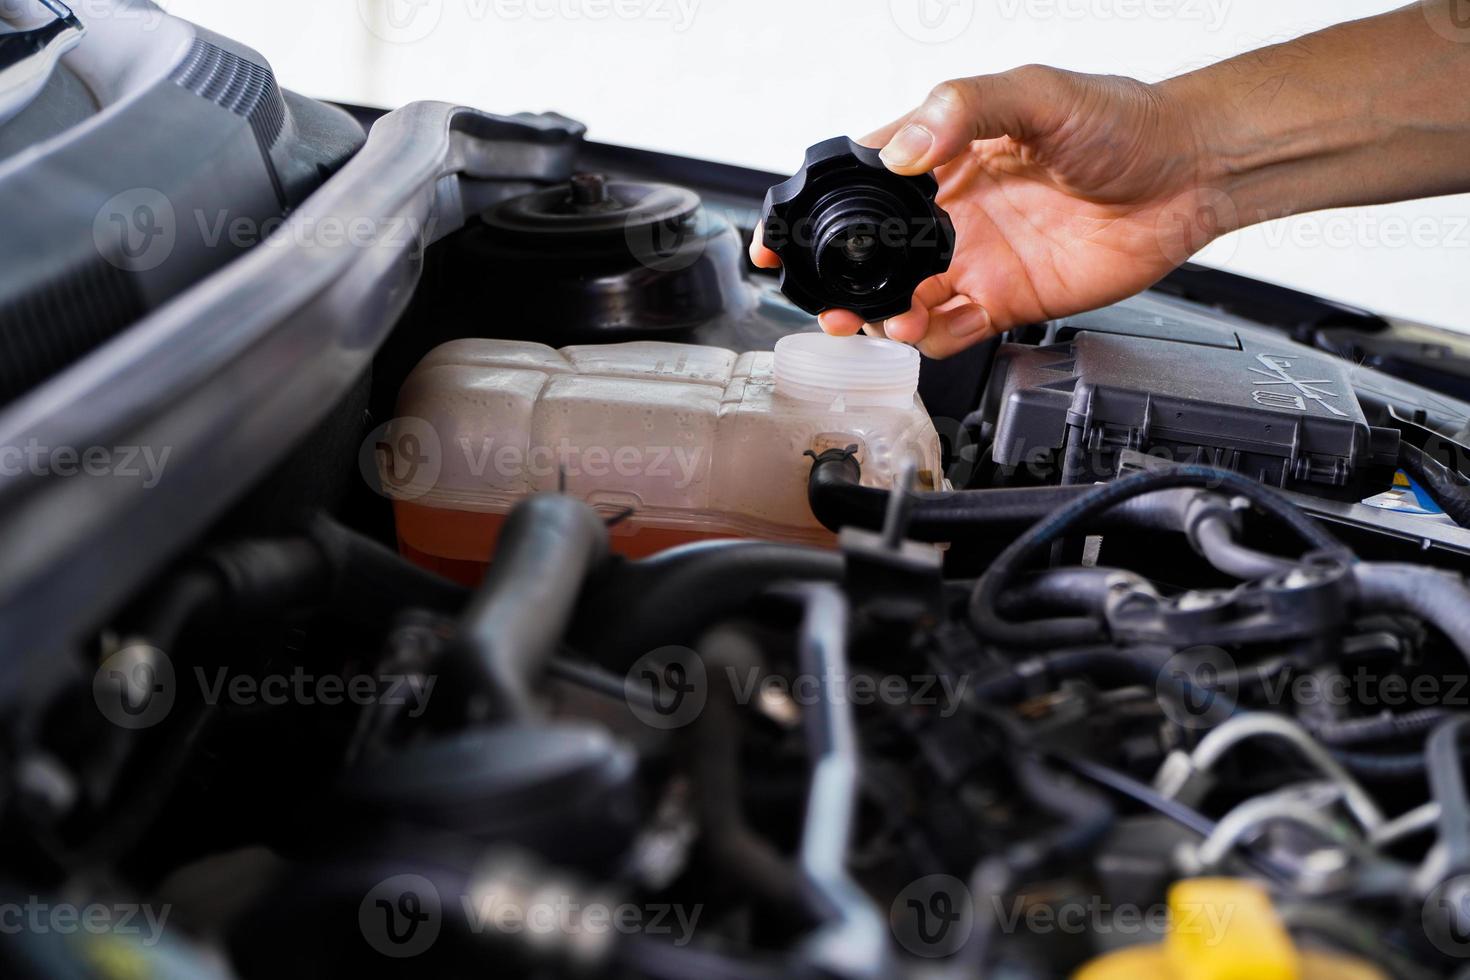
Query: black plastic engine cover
x=1271, y=410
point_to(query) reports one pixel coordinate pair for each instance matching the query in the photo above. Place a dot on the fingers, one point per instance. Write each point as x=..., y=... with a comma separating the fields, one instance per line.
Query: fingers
x=940, y=322
x=840, y=323
x=953, y=330
x=762, y=257
x=933, y=294
x=1018, y=103
x=879, y=138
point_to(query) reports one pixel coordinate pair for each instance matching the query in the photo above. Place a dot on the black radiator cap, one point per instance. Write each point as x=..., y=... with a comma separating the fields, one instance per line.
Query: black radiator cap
x=854, y=235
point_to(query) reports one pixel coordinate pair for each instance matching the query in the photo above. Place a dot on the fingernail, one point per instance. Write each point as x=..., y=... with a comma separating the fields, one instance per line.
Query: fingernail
x=968, y=324
x=908, y=147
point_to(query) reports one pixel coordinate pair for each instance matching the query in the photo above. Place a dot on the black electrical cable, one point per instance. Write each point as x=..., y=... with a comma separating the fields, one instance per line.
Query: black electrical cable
x=1449, y=489
x=1084, y=631
x=1186, y=816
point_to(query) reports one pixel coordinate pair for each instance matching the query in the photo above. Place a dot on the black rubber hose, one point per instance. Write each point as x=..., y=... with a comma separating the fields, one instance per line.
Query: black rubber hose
x=1083, y=814
x=1440, y=598
x=1086, y=631
x=1072, y=589
x=371, y=583
x=517, y=617
x=1449, y=489
x=1376, y=728
x=711, y=753
x=1215, y=539
x=1397, y=768
x=359, y=577
x=636, y=607
x=1105, y=664
x=838, y=500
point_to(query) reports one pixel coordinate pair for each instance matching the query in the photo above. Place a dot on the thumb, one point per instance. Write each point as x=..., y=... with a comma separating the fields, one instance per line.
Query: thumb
x=1022, y=103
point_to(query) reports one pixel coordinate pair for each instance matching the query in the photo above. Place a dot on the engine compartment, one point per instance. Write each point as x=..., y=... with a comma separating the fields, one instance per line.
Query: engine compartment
x=1177, y=629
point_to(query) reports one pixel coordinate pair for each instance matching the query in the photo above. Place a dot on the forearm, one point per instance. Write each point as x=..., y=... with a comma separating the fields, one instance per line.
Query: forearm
x=1367, y=112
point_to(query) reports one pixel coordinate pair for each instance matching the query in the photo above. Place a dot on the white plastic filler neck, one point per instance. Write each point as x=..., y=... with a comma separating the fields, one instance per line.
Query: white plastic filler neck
x=859, y=372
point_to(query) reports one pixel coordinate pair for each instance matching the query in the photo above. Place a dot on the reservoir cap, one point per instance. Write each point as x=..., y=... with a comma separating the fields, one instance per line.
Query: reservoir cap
x=854, y=235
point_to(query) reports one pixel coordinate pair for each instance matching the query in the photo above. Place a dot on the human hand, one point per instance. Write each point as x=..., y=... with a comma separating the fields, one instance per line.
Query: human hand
x=1067, y=191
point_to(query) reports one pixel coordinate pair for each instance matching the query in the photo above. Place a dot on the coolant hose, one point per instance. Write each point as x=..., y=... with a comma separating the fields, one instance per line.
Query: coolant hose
x=1437, y=597
x=635, y=607
x=514, y=623
x=838, y=499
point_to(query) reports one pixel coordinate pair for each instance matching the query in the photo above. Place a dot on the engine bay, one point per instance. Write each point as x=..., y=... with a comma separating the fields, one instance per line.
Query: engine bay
x=1137, y=642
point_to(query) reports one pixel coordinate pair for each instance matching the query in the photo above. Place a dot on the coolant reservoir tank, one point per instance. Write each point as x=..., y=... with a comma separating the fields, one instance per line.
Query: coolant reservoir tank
x=682, y=442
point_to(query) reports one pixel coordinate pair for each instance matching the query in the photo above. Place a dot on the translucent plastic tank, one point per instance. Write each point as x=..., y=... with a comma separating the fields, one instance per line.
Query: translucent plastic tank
x=686, y=443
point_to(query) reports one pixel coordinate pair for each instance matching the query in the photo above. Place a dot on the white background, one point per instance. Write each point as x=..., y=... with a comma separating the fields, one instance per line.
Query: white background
x=755, y=81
